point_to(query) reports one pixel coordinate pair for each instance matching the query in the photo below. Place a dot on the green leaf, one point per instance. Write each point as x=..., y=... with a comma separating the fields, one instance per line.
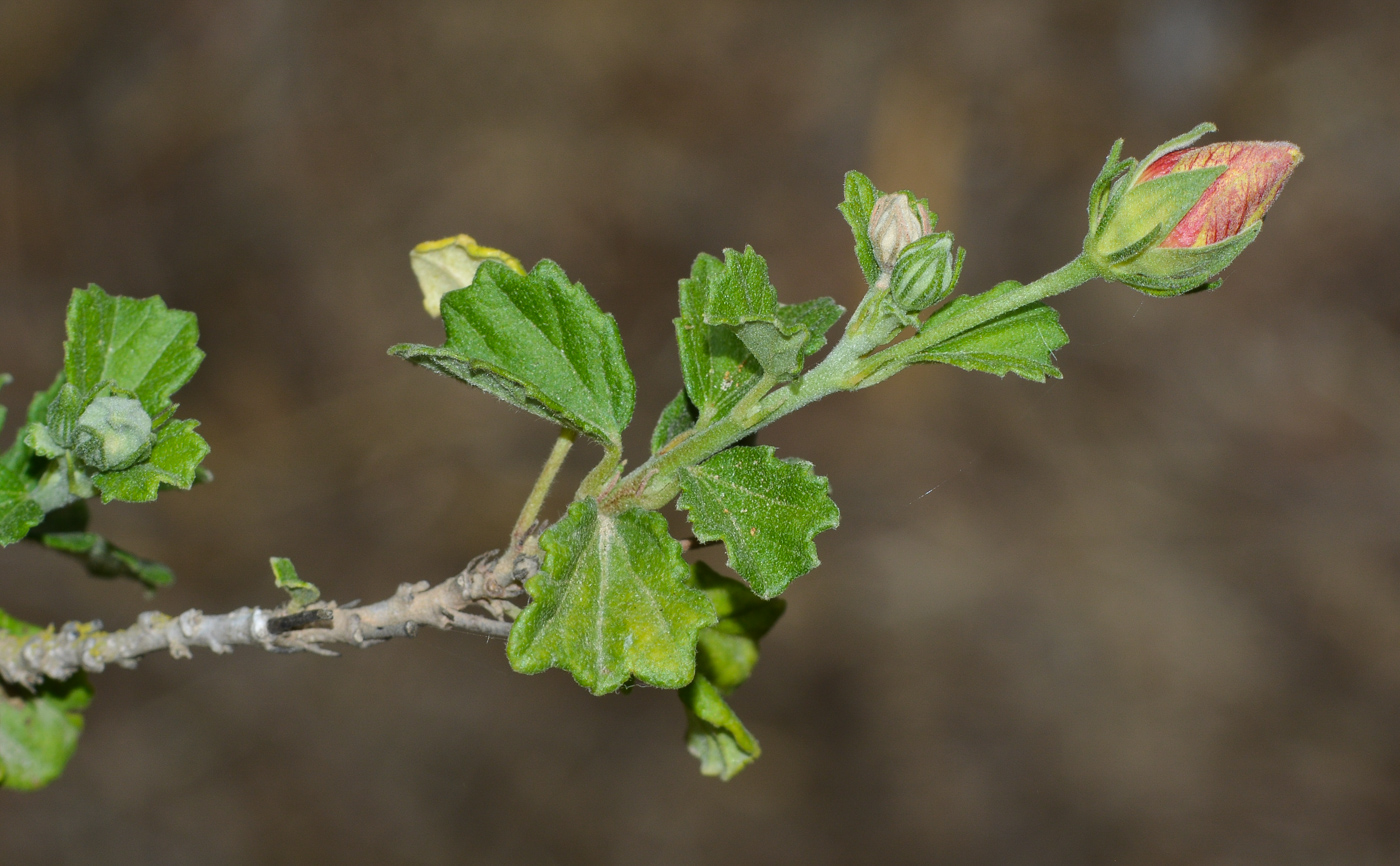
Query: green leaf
x=139, y=346
x=815, y=316
x=714, y=733
x=16, y=458
x=539, y=342
x=678, y=417
x=861, y=195
x=284, y=574
x=718, y=360
x=39, y=729
x=727, y=651
x=766, y=511
x=1022, y=342
x=174, y=461
x=614, y=599
x=104, y=559
x=18, y=513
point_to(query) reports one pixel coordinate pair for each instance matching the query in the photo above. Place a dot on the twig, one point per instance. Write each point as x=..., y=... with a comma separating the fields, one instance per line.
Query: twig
x=486, y=582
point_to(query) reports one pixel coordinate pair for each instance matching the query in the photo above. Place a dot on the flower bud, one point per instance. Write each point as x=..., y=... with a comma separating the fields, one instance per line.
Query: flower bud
x=1168, y=225
x=450, y=264
x=894, y=225
x=926, y=272
x=113, y=433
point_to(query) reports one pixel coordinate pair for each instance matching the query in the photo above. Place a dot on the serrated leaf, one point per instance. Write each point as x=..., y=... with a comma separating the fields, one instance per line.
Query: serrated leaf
x=18, y=513
x=728, y=650
x=103, y=559
x=284, y=574
x=38, y=730
x=174, y=461
x=614, y=600
x=138, y=345
x=741, y=297
x=766, y=511
x=815, y=316
x=539, y=342
x=718, y=367
x=678, y=417
x=1022, y=342
x=714, y=733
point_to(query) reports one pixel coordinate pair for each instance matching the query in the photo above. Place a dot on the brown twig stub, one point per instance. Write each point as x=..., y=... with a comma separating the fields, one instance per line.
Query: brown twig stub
x=486, y=582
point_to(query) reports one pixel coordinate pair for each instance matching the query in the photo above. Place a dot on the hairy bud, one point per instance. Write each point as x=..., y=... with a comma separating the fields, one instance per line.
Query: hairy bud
x=894, y=225
x=926, y=272
x=113, y=433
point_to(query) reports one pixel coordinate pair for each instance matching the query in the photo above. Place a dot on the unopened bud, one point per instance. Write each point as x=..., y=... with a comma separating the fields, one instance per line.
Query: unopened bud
x=1180, y=217
x=113, y=433
x=926, y=272
x=894, y=225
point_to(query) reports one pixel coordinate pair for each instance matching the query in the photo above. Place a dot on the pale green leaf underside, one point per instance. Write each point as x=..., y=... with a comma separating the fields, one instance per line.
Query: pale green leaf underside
x=614, y=600
x=714, y=733
x=539, y=342
x=38, y=730
x=174, y=461
x=728, y=650
x=766, y=511
x=139, y=345
x=1021, y=342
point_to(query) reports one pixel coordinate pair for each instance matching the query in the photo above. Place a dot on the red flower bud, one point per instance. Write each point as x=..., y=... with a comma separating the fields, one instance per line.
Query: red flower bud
x=1255, y=172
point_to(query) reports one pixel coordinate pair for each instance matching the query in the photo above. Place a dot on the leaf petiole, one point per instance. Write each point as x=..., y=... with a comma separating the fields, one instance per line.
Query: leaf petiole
x=548, y=472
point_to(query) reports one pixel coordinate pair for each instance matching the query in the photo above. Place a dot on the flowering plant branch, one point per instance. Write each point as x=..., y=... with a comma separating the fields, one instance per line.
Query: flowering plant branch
x=612, y=598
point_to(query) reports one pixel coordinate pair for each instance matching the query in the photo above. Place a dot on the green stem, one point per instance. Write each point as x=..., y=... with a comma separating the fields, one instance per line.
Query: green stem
x=543, y=483
x=652, y=484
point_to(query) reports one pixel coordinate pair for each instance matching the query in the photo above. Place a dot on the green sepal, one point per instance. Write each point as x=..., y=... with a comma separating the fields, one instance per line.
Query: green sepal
x=1022, y=341
x=139, y=346
x=861, y=195
x=539, y=342
x=284, y=574
x=615, y=599
x=1167, y=273
x=678, y=416
x=39, y=729
x=765, y=509
x=728, y=650
x=1155, y=206
x=1181, y=142
x=174, y=461
x=714, y=733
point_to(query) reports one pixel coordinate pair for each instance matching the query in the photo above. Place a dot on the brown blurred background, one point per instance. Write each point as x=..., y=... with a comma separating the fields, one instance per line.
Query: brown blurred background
x=1149, y=614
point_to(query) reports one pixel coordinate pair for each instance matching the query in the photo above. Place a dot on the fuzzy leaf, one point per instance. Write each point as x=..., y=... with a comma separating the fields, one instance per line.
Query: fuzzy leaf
x=766, y=511
x=16, y=457
x=18, y=513
x=615, y=599
x=39, y=729
x=714, y=733
x=103, y=559
x=676, y=418
x=174, y=461
x=284, y=574
x=539, y=342
x=728, y=650
x=140, y=346
x=718, y=341
x=1022, y=342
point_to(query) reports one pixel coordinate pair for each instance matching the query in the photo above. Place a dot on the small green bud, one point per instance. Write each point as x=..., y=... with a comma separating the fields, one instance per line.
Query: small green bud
x=113, y=433
x=925, y=272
